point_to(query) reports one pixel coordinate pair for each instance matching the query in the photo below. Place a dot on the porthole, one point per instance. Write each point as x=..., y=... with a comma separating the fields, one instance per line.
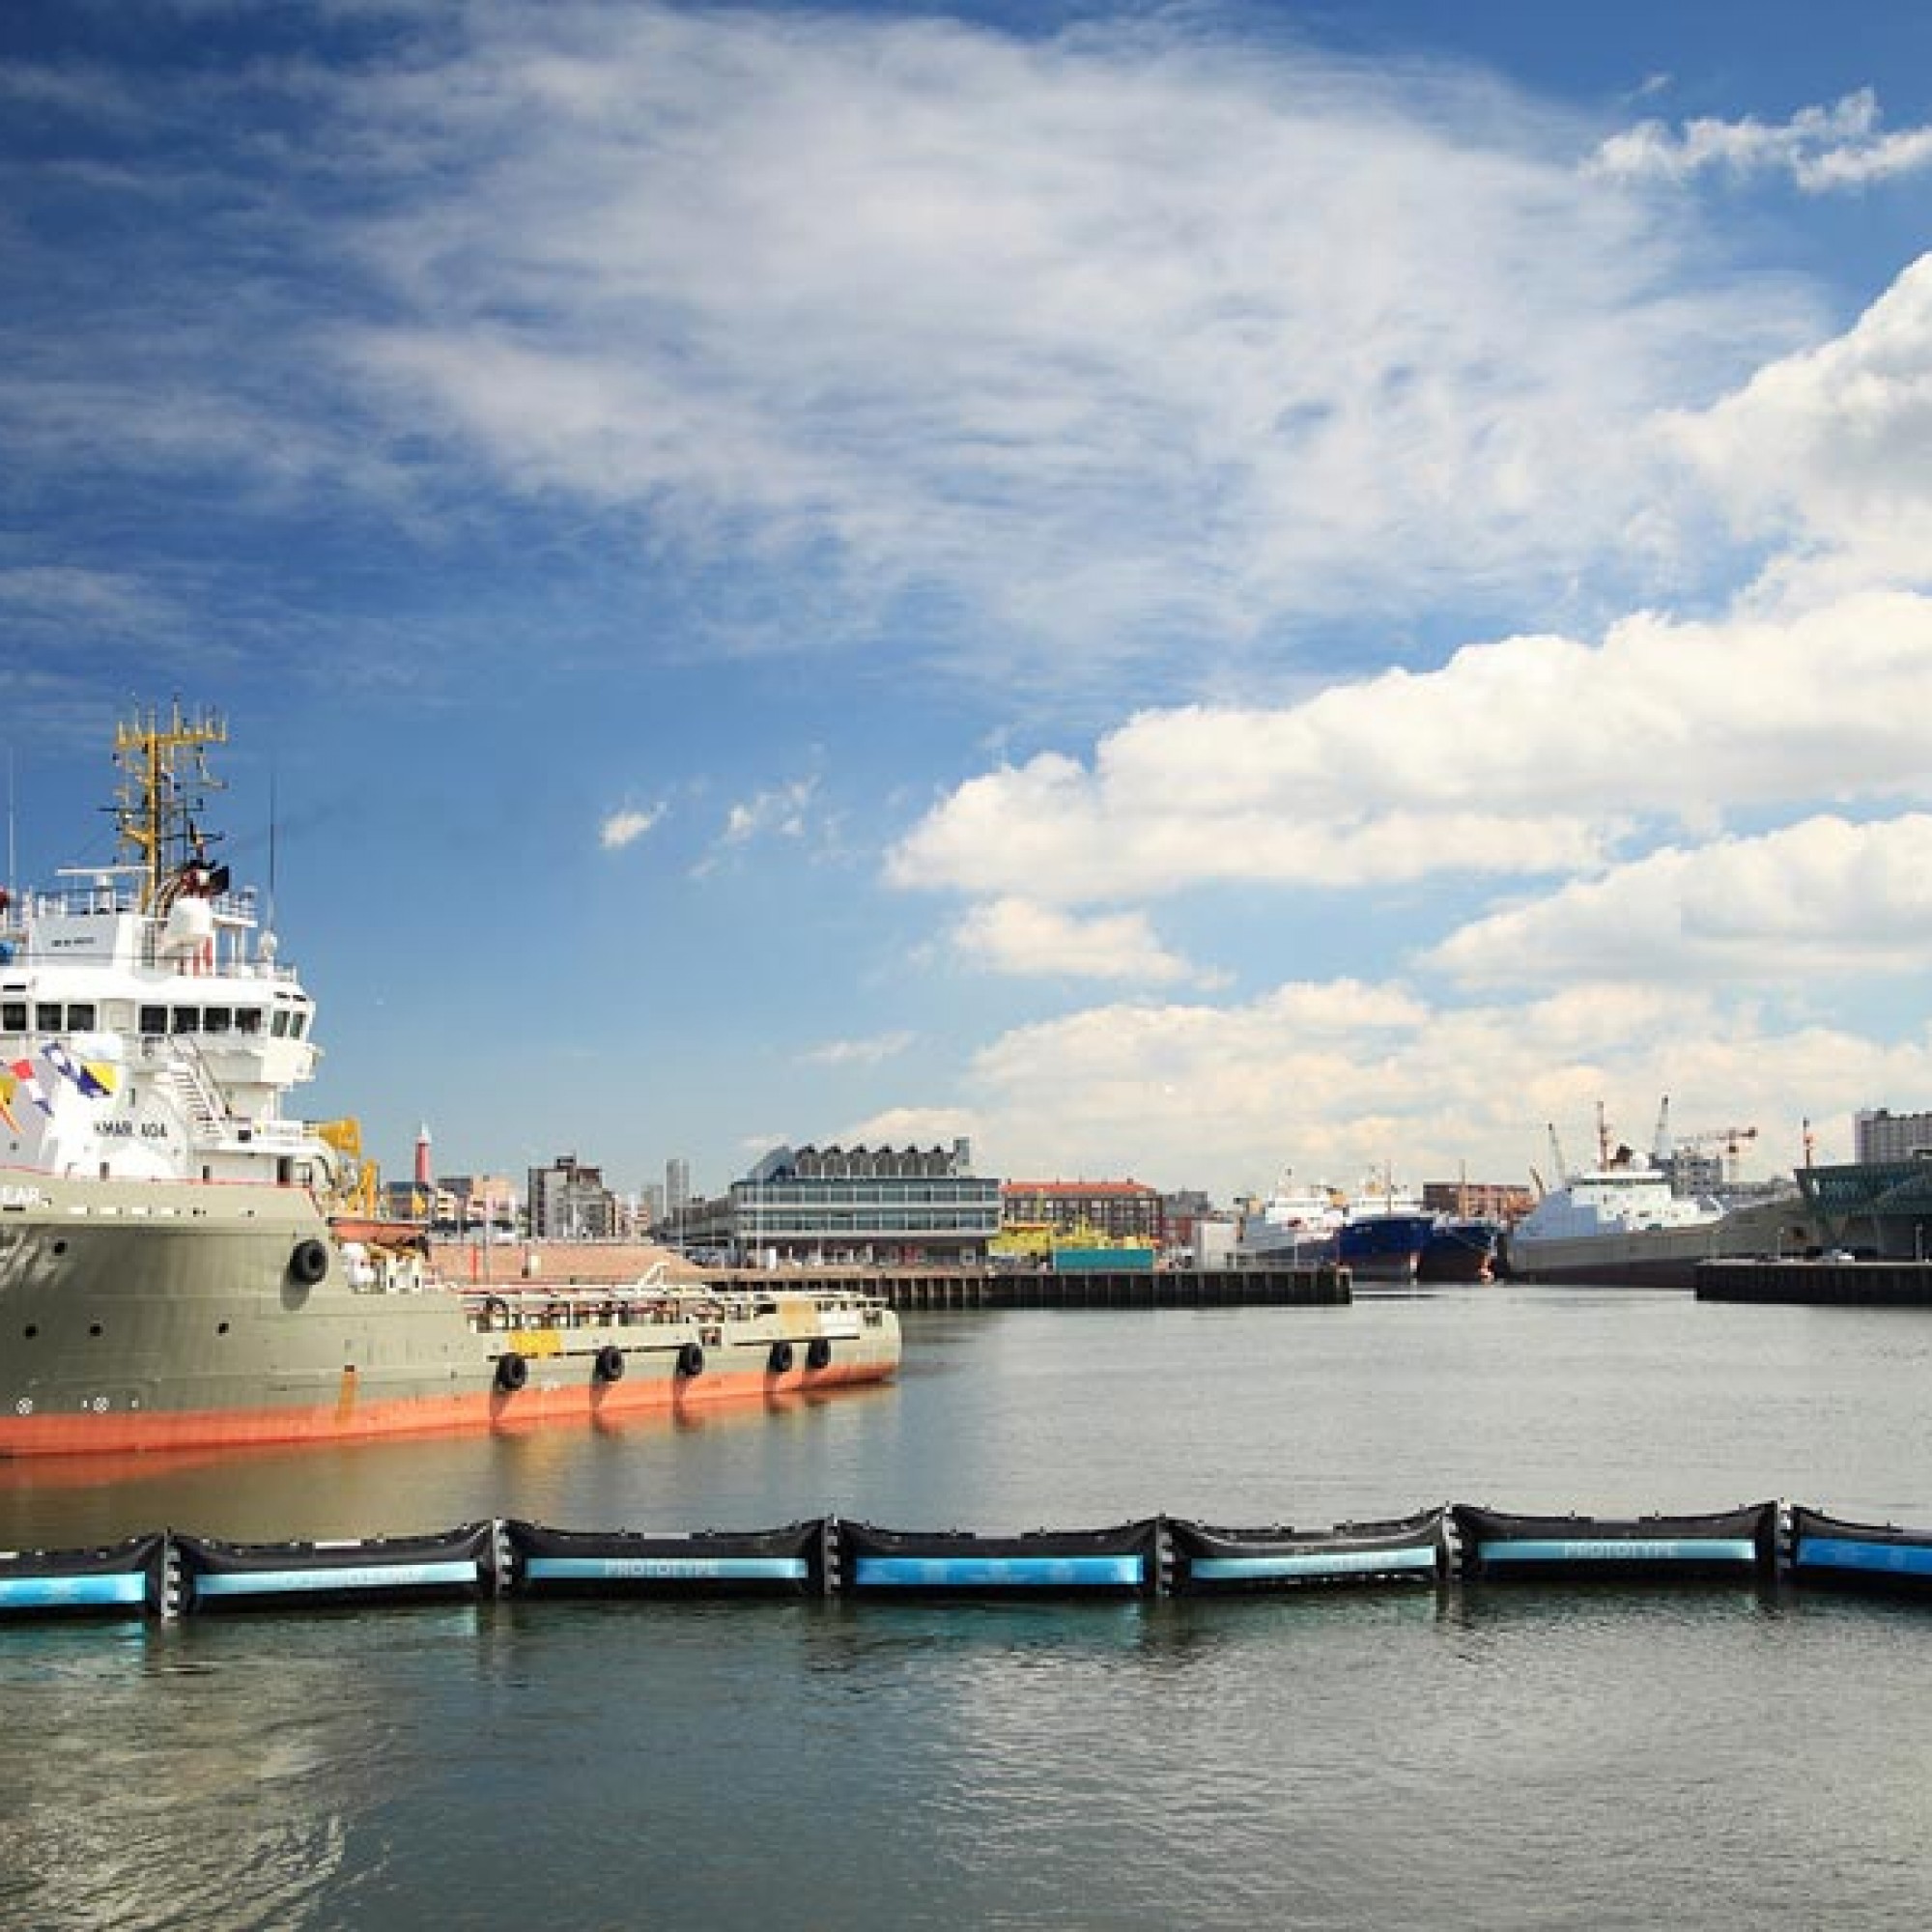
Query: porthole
x=221, y=1327
x=60, y=1247
x=93, y=1329
x=32, y=1329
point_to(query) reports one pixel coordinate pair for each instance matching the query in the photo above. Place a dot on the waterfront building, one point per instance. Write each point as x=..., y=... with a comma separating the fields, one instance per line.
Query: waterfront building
x=1117, y=1210
x=569, y=1202
x=1882, y=1209
x=476, y=1203
x=1881, y=1135
x=868, y=1207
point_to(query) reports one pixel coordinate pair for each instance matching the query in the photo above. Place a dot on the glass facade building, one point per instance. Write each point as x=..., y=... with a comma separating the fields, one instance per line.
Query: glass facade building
x=865, y=1207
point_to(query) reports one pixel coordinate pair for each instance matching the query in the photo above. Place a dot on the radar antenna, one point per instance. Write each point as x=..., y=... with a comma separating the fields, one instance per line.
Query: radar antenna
x=164, y=761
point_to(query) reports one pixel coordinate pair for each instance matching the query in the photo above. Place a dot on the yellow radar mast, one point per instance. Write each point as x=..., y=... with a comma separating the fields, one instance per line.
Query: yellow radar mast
x=163, y=762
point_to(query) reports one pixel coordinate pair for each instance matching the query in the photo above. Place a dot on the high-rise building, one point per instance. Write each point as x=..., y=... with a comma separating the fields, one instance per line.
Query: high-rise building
x=569, y=1202
x=1880, y=1134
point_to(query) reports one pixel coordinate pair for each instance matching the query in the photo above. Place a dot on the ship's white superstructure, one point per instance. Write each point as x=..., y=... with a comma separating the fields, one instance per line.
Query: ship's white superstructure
x=147, y=1030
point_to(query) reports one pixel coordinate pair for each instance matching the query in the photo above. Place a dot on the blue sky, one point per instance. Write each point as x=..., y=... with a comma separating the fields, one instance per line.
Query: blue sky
x=1181, y=590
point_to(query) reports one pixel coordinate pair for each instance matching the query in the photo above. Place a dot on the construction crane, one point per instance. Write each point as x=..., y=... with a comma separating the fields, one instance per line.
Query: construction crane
x=1728, y=1141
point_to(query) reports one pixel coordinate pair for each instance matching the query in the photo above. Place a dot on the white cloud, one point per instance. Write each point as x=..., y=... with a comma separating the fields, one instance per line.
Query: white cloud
x=1339, y=1080
x=1536, y=755
x=1820, y=148
x=1098, y=336
x=1819, y=898
x=1833, y=447
x=1025, y=937
x=780, y=812
x=626, y=827
x=870, y=1052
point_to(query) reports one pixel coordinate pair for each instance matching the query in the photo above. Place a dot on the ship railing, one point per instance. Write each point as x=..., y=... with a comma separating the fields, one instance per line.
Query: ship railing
x=510, y=1306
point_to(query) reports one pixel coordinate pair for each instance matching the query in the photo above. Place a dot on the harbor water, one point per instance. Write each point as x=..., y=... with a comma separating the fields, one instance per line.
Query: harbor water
x=1527, y=1756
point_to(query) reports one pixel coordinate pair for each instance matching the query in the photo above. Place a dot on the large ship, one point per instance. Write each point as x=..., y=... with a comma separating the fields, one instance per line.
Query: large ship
x=1295, y=1227
x=182, y=1266
x=1622, y=1222
x=1384, y=1233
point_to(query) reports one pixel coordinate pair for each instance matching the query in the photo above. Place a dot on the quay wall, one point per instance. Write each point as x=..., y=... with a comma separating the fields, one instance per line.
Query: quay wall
x=1116, y=1288
x=1818, y=1283
x=540, y=1264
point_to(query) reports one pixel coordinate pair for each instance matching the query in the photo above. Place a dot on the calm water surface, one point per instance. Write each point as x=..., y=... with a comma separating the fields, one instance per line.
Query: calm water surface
x=1527, y=1757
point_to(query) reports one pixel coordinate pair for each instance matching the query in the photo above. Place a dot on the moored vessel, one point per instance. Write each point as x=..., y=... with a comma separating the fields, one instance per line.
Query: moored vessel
x=181, y=1264
x=1459, y=1248
x=1384, y=1231
x=1295, y=1227
x=1623, y=1221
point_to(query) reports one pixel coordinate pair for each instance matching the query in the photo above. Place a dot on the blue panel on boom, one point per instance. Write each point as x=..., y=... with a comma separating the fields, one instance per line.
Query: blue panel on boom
x=1622, y=1549
x=936, y=1572
x=1837, y=1552
x=1314, y=1563
x=666, y=1569
x=362, y=1576
x=48, y=1593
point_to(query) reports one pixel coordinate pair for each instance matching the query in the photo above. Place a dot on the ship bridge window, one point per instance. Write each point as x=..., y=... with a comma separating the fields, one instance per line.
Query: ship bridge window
x=248, y=1019
x=297, y=1023
x=47, y=1016
x=80, y=1016
x=153, y=1019
x=186, y=1019
x=217, y=1019
x=281, y=1027
x=13, y=1017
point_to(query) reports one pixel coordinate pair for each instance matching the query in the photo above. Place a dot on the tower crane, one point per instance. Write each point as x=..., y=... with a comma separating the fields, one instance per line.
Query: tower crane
x=1729, y=1141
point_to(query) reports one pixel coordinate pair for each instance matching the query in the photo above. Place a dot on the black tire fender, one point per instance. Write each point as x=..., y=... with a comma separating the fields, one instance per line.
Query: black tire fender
x=512, y=1372
x=309, y=1263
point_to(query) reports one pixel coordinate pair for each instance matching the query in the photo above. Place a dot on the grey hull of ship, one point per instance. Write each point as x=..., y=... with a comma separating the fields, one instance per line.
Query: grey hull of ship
x=123, y=1302
x=1656, y=1257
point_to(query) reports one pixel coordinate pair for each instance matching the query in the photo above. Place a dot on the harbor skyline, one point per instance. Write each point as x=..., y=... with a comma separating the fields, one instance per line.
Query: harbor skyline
x=1173, y=592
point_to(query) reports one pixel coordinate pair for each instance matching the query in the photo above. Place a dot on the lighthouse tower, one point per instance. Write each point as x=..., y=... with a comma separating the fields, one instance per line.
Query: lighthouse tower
x=422, y=1156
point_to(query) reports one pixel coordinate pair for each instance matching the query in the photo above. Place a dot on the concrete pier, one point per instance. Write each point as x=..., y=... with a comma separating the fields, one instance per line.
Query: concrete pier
x=1115, y=1288
x=1877, y=1284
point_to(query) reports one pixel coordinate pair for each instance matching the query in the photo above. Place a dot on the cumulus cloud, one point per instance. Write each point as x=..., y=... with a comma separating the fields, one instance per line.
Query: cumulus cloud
x=1832, y=448
x=1820, y=149
x=1535, y=756
x=1821, y=897
x=1025, y=937
x=1339, y=1081
x=626, y=827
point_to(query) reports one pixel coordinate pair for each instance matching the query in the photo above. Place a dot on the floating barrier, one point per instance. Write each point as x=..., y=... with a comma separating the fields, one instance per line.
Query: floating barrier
x=1043, y=1562
x=242, y=1575
x=125, y=1579
x=1735, y=1542
x=165, y=1574
x=1826, y=1550
x=1206, y=1560
x=536, y=1561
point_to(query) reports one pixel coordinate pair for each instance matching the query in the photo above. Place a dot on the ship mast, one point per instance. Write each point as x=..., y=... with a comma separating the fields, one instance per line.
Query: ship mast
x=164, y=766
